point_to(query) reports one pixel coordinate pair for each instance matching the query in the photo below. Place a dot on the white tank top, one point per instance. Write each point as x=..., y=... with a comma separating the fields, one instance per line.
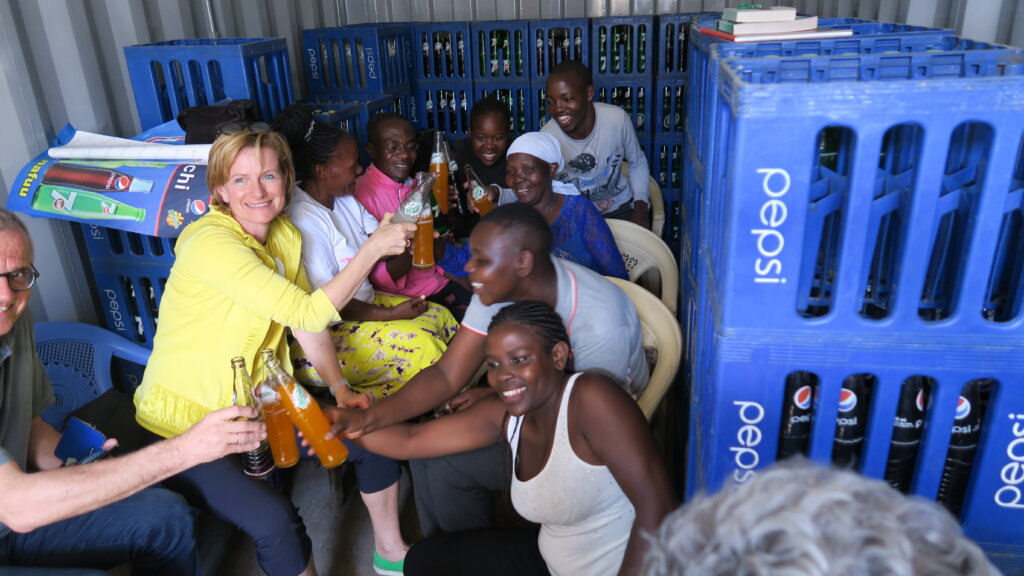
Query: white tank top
x=584, y=515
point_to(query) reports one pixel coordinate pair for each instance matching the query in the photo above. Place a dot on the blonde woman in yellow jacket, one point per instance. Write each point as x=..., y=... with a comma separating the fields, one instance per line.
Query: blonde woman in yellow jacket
x=236, y=285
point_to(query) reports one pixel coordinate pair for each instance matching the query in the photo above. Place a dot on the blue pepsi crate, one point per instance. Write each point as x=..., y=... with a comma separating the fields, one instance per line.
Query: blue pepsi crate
x=517, y=95
x=129, y=297
x=669, y=106
x=502, y=48
x=670, y=44
x=168, y=77
x=635, y=98
x=740, y=392
x=357, y=61
x=674, y=218
x=554, y=41
x=344, y=115
x=668, y=153
x=117, y=246
x=622, y=47
x=370, y=107
x=691, y=195
x=899, y=232
x=705, y=52
x=129, y=271
x=442, y=51
x=349, y=116
x=445, y=105
x=537, y=90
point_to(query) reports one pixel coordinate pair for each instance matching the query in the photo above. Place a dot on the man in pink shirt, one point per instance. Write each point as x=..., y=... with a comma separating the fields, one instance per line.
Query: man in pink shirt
x=392, y=148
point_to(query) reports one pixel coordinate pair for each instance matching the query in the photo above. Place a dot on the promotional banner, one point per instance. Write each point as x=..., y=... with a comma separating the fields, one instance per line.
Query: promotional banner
x=152, y=184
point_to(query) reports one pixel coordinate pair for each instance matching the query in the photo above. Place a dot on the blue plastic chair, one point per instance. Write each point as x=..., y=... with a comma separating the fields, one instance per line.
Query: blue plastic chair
x=77, y=358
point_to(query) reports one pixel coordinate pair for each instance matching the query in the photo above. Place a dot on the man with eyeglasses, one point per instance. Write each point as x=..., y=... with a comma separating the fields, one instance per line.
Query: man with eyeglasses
x=99, y=514
x=391, y=144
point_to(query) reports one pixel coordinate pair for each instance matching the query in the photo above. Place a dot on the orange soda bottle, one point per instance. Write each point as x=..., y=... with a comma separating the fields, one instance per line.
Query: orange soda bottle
x=416, y=208
x=478, y=193
x=280, y=430
x=439, y=167
x=306, y=414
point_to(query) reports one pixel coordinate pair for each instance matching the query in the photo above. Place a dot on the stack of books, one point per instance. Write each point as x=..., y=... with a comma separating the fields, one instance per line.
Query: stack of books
x=769, y=23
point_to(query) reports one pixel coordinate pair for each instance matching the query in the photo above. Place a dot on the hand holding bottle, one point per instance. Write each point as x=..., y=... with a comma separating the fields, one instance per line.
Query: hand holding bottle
x=390, y=238
x=345, y=423
x=481, y=199
x=226, y=431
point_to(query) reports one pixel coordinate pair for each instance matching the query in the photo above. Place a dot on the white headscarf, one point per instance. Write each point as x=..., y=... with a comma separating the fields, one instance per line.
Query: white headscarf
x=545, y=147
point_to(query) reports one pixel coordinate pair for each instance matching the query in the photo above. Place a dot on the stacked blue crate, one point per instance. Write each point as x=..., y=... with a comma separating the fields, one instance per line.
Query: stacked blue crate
x=622, y=54
x=553, y=42
x=168, y=77
x=358, y=61
x=890, y=246
x=351, y=116
x=443, y=87
x=369, y=66
x=632, y=95
x=502, y=67
x=669, y=152
x=130, y=271
x=516, y=96
x=706, y=52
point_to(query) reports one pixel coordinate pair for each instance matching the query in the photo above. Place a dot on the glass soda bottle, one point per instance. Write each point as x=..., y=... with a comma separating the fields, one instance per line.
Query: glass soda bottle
x=280, y=430
x=256, y=463
x=83, y=204
x=478, y=193
x=306, y=414
x=416, y=208
x=97, y=179
x=439, y=167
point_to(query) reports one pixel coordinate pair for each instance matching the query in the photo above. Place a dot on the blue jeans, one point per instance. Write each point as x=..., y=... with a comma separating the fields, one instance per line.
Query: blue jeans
x=282, y=546
x=152, y=529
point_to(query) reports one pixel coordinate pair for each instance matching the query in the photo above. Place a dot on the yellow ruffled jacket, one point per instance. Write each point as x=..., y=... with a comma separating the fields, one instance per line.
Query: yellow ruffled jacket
x=227, y=295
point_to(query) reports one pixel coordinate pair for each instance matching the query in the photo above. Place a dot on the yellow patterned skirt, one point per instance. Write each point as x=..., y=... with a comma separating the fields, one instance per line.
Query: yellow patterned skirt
x=380, y=357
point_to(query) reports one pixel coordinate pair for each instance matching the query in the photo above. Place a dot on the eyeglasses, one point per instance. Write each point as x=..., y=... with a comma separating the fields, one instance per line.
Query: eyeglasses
x=22, y=278
x=392, y=148
x=236, y=127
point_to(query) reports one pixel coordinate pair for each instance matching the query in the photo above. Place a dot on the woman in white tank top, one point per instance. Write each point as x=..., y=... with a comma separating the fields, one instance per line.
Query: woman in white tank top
x=583, y=461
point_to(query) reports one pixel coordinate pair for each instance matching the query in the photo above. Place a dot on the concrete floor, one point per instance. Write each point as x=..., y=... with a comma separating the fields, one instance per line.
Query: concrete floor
x=342, y=535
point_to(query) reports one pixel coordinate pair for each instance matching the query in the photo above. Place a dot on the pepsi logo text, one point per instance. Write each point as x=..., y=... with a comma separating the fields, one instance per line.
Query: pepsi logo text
x=748, y=437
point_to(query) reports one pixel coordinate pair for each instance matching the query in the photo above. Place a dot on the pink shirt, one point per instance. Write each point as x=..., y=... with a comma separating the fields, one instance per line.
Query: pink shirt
x=380, y=194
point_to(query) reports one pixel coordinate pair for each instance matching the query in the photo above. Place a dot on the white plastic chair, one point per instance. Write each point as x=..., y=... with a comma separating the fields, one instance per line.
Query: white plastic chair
x=657, y=203
x=648, y=260
x=657, y=209
x=663, y=342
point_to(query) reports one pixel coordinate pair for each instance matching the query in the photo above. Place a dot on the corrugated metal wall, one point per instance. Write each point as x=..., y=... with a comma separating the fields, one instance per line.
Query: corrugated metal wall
x=62, y=62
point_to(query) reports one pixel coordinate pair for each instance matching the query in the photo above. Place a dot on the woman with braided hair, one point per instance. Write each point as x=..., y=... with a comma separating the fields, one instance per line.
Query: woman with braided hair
x=383, y=339
x=583, y=461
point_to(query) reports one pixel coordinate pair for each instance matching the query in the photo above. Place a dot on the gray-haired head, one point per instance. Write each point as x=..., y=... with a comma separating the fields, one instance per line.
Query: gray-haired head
x=800, y=519
x=10, y=221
